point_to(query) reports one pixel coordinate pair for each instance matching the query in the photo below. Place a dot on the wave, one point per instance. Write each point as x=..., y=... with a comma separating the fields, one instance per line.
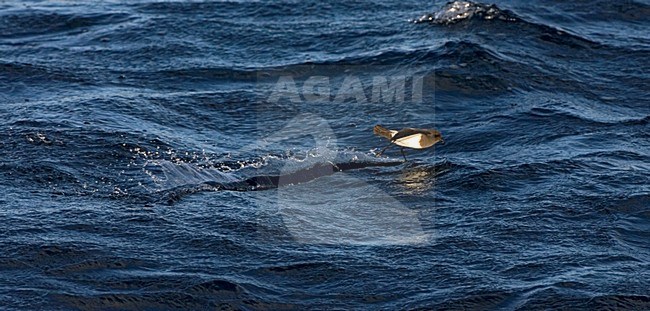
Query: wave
x=460, y=65
x=456, y=11
x=24, y=23
x=604, y=10
x=561, y=299
x=263, y=182
x=214, y=294
x=456, y=66
x=465, y=11
x=186, y=179
x=521, y=176
x=585, y=116
x=12, y=72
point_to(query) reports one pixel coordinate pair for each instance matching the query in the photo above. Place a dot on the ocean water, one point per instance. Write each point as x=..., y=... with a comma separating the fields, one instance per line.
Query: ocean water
x=220, y=155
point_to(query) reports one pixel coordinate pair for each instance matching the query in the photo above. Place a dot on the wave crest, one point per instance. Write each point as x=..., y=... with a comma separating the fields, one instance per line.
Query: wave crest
x=456, y=11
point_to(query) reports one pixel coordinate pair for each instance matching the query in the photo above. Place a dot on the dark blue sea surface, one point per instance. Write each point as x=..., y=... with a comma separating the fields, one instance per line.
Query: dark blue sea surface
x=220, y=155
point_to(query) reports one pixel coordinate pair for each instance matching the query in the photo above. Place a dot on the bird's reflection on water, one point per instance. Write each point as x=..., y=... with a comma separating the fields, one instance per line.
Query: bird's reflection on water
x=420, y=179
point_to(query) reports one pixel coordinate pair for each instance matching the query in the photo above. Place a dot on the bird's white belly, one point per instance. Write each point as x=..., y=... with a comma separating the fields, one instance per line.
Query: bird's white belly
x=412, y=141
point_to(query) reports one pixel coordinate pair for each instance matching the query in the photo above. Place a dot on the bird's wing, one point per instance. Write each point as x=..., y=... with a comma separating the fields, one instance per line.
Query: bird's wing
x=408, y=132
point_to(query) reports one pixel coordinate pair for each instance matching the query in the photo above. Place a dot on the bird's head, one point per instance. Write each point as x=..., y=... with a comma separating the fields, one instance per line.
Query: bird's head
x=436, y=136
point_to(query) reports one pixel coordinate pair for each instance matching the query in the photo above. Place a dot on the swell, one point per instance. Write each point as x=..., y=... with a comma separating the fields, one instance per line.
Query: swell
x=79, y=162
x=457, y=11
x=41, y=75
x=538, y=113
x=215, y=294
x=561, y=298
x=258, y=10
x=457, y=66
x=267, y=182
x=16, y=72
x=591, y=175
x=603, y=10
x=25, y=23
x=68, y=269
x=461, y=65
x=478, y=14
